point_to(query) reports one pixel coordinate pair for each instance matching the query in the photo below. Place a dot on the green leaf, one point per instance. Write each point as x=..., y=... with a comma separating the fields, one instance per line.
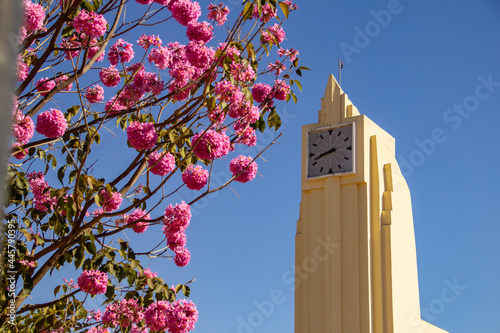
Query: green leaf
x=90, y=247
x=79, y=256
x=298, y=84
x=186, y=290
x=27, y=285
x=285, y=9
x=247, y=11
x=99, y=200
x=211, y=103
x=299, y=72
x=178, y=288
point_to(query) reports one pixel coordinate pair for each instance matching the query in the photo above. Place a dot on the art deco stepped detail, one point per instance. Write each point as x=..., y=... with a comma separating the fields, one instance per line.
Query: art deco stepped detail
x=355, y=245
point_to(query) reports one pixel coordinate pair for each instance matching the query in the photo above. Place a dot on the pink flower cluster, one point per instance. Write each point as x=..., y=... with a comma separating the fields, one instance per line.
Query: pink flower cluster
x=184, y=11
x=45, y=85
x=97, y=329
x=121, y=51
x=90, y=23
x=176, y=220
x=210, y=145
x=148, y=273
x=93, y=282
x=27, y=263
x=218, y=13
x=291, y=54
x=267, y=13
x=34, y=16
x=142, y=135
x=277, y=67
x=21, y=152
x=22, y=69
x=77, y=42
x=145, y=41
x=239, y=164
x=195, y=177
x=51, y=123
x=132, y=218
x=281, y=89
x=177, y=317
x=273, y=35
x=112, y=201
x=95, y=93
x=246, y=134
x=23, y=128
x=199, y=31
x=110, y=77
x=161, y=164
x=261, y=91
x=123, y=313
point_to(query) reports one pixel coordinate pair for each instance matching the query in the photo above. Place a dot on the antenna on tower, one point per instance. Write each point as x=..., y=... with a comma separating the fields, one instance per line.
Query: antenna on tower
x=341, y=65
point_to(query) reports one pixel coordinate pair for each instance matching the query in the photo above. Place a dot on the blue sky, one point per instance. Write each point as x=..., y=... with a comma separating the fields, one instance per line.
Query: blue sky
x=431, y=56
x=429, y=66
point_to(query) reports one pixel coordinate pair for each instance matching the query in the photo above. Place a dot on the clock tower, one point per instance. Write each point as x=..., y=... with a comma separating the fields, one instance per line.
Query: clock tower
x=355, y=256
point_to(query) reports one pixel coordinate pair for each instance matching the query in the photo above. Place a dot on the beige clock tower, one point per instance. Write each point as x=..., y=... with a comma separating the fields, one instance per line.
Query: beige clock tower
x=355, y=245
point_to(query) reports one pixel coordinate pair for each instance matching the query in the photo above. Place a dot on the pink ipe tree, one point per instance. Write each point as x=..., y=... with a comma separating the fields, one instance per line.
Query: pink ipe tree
x=177, y=109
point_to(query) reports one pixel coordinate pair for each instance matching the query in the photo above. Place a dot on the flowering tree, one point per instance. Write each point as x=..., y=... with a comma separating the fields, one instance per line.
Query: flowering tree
x=184, y=109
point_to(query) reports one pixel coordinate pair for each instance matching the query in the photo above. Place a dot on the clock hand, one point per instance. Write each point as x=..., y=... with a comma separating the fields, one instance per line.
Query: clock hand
x=325, y=153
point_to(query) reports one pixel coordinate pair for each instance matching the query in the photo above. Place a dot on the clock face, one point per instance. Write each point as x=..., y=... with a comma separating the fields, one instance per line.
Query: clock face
x=330, y=151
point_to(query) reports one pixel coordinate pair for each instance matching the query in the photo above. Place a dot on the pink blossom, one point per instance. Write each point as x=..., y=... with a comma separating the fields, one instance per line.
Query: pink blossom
x=22, y=69
x=90, y=23
x=182, y=257
x=227, y=92
x=252, y=115
x=23, y=128
x=123, y=313
x=177, y=217
x=156, y=315
x=200, y=31
x=20, y=151
x=148, y=273
x=217, y=115
x=267, y=13
x=27, y=263
x=210, y=145
x=121, y=51
x=246, y=134
x=150, y=40
x=142, y=135
x=276, y=68
x=34, y=16
x=94, y=314
x=94, y=48
x=195, y=177
x=161, y=164
x=163, y=2
x=241, y=72
x=238, y=108
x=291, y=5
x=281, y=89
x=145, y=2
x=238, y=164
x=218, y=13
x=93, y=282
x=199, y=55
x=176, y=240
x=95, y=93
x=137, y=214
x=161, y=56
x=261, y=91
x=112, y=201
x=182, y=317
x=115, y=105
x=97, y=329
x=51, y=124
x=185, y=11
x=72, y=46
x=273, y=35
x=42, y=199
x=291, y=54
x=61, y=79
x=110, y=76
x=45, y=85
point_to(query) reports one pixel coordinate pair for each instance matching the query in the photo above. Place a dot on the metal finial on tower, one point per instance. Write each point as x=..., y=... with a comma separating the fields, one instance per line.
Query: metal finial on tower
x=341, y=65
